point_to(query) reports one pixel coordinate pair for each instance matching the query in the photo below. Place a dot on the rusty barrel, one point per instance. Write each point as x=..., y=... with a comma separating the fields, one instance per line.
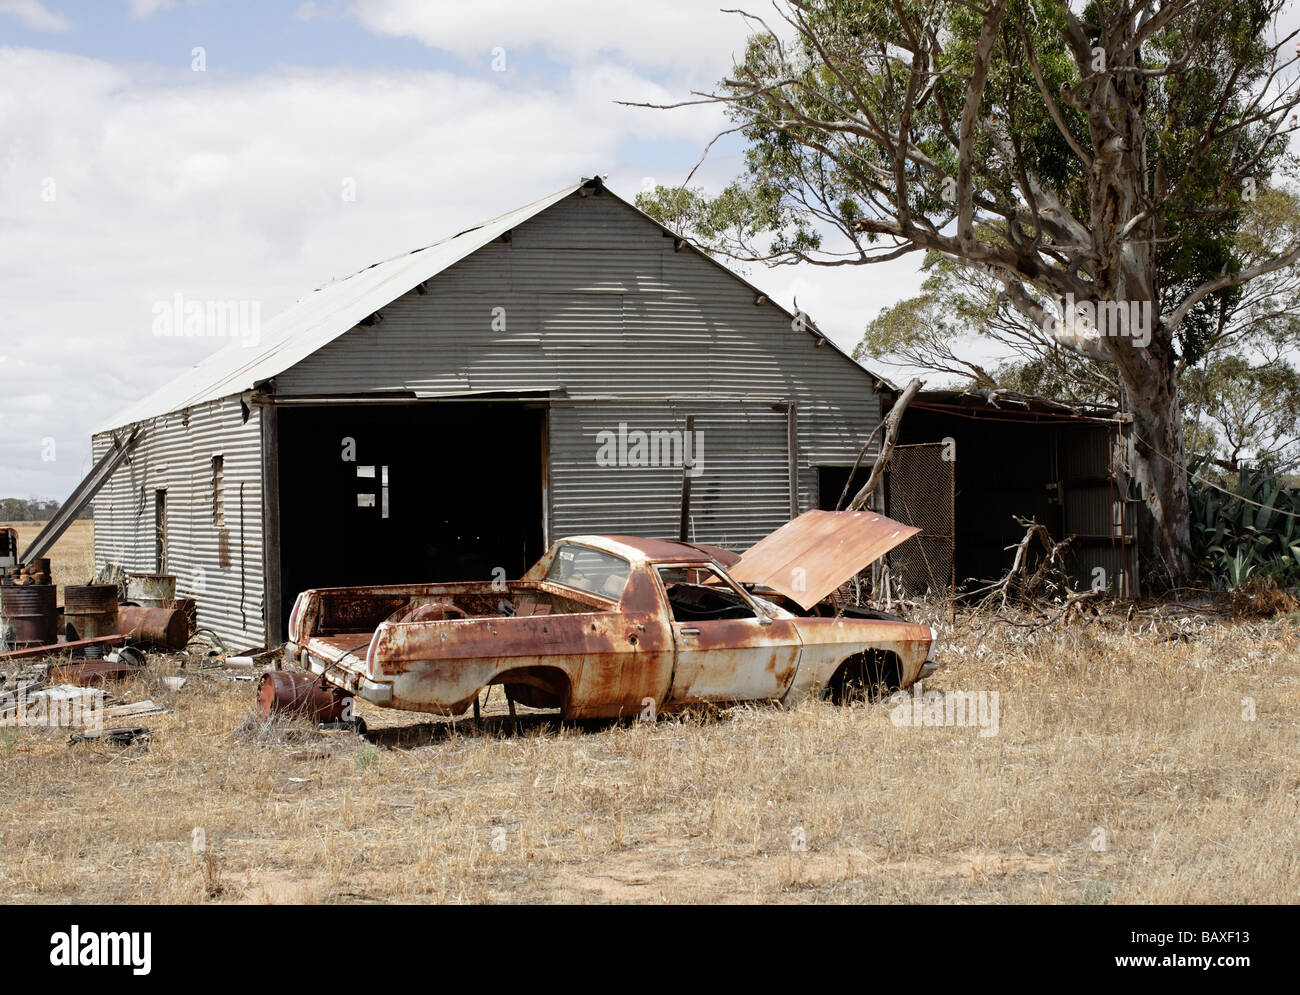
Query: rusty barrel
x=91, y=609
x=151, y=590
x=190, y=609
x=281, y=692
x=31, y=613
x=165, y=628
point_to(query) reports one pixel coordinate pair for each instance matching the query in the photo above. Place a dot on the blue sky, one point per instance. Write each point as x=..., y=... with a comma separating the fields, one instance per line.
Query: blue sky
x=127, y=176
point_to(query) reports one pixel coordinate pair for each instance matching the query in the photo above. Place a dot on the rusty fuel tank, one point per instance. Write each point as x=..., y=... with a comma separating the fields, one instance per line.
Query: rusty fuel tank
x=31, y=615
x=280, y=692
x=91, y=610
x=165, y=628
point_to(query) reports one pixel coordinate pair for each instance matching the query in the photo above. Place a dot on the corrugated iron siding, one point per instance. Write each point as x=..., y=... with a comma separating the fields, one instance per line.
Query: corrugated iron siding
x=176, y=454
x=1094, y=511
x=740, y=494
x=591, y=299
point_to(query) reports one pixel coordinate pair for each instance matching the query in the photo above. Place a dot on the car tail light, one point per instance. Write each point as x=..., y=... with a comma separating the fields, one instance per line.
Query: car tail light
x=293, y=619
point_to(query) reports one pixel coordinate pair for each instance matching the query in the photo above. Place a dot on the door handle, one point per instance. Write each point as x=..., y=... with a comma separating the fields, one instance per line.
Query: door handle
x=689, y=631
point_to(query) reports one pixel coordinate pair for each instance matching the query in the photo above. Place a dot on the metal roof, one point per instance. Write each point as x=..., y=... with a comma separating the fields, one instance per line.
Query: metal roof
x=319, y=318
x=330, y=311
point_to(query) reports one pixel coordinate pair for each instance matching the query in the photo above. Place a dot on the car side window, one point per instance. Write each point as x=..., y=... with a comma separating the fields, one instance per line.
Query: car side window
x=589, y=570
x=701, y=594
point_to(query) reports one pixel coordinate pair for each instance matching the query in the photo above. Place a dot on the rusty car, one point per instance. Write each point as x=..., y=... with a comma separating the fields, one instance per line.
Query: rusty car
x=608, y=626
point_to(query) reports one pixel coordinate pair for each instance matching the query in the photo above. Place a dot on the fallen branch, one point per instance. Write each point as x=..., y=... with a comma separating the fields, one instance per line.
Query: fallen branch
x=1017, y=580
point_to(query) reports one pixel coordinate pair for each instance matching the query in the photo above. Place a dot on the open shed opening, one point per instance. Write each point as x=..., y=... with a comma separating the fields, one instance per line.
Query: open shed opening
x=408, y=493
x=1056, y=470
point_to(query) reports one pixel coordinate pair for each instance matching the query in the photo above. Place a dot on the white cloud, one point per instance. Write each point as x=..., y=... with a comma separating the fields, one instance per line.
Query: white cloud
x=661, y=34
x=121, y=187
x=142, y=9
x=34, y=15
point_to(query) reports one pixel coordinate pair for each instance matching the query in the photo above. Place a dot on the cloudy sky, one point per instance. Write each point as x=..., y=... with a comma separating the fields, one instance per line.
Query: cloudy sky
x=202, y=148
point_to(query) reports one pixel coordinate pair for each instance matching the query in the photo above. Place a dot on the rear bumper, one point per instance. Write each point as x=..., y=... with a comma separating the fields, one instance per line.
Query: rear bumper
x=928, y=668
x=375, y=692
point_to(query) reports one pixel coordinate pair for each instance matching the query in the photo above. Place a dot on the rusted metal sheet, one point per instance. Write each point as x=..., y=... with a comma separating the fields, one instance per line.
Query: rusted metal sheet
x=165, y=628
x=90, y=672
x=98, y=643
x=91, y=610
x=29, y=615
x=810, y=557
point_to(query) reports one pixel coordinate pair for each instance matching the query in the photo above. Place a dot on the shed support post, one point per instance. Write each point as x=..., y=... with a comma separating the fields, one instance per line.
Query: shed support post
x=271, y=591
x=792, y=453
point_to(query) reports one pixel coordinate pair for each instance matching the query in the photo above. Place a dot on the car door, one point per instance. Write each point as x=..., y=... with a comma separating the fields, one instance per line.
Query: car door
x=726, y=649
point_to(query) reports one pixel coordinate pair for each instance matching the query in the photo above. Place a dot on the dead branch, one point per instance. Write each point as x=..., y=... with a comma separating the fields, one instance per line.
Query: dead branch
x=890, y=423
x=1021, y=584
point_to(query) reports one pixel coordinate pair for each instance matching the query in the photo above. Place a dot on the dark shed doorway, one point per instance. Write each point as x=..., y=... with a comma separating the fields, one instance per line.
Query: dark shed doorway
x=408, y=493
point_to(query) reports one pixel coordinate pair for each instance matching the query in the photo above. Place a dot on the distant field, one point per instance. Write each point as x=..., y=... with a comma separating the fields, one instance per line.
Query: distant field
x=72, y=559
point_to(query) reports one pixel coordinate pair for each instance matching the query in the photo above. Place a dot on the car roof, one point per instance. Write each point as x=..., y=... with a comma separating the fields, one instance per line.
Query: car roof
x=640, y=549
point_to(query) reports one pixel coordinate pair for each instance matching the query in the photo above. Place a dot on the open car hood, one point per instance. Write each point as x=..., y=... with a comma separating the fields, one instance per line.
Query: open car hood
x=808, y=558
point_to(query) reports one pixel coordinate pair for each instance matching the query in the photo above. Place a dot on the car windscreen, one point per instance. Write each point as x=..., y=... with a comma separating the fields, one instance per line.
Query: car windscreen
x=589, y=570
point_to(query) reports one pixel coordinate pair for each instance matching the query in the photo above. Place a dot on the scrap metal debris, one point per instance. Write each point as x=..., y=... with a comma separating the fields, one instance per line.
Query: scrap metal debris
x=119, y=736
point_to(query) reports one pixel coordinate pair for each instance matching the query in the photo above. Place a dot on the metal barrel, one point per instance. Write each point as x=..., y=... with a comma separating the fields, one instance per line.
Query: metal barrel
x=165, y=628
x=151, y=590
x=91, y=610
x=190, y=609
x=30, y=614
x=282, y=692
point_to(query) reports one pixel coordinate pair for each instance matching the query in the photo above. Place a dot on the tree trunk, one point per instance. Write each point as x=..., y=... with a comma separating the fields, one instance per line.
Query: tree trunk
x=1158, y=461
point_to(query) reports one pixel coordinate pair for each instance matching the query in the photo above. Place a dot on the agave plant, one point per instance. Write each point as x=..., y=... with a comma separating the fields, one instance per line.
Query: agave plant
x=1253, y=531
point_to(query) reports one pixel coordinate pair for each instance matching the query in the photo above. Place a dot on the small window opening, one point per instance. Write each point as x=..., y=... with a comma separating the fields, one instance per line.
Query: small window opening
x=218, y=481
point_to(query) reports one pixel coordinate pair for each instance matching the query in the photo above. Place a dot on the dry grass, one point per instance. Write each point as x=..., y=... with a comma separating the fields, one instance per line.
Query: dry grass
x=1129, y=767
x=72, y=560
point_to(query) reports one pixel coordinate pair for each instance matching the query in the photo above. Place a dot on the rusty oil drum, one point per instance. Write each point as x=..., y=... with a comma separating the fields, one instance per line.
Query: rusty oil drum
x=280, y=692
x=31, y=613
x=91, y=610
x=165, y=628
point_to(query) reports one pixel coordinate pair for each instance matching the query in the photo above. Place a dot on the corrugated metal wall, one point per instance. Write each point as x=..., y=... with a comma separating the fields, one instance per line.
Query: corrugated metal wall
x=224, y=574
x=590, y=299
x=741, y=492
x=1094, y=511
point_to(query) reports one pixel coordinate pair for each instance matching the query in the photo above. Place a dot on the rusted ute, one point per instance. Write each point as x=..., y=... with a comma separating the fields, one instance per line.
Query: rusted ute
x=91, y=610
x=166, y=628
x=281, y=692
x=30, y=615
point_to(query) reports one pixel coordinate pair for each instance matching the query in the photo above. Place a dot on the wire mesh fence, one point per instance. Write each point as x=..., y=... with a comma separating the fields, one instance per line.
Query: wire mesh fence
x=921, y=491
